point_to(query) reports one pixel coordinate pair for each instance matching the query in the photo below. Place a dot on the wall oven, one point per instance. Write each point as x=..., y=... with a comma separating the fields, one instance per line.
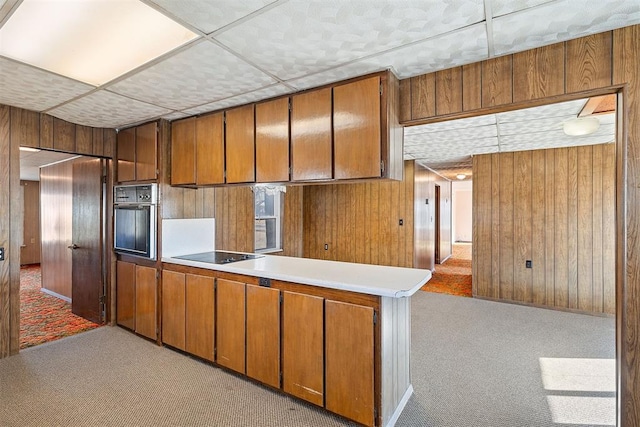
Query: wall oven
x=134, y=219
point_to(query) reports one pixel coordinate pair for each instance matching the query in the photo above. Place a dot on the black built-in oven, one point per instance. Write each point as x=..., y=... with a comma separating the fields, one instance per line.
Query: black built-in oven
x=134, y=219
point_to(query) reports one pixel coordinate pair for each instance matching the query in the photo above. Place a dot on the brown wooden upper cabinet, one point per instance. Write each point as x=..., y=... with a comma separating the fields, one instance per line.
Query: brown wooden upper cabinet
x=137, y=153
x=272, y=141
x=311, y=149
x=197, y=150
x=240, y=144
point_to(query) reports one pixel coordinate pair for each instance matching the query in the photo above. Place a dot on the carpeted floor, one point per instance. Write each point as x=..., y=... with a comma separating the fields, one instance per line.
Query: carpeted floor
x=453, y=276
x=474, y=363
x=43, y=317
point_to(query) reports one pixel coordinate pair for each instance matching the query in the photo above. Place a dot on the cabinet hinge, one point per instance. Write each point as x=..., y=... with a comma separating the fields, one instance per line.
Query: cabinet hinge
x=380, y=88
x=101, y=299
x=215, y=284
x=281, y=299
x=104, y=179
x=157, y=274
x=375, y=414
x=382, y=167
x=375, y=317
x=290, y=107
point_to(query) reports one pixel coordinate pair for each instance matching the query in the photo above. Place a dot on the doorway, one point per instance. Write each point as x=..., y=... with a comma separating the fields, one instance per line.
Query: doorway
x=61, y=293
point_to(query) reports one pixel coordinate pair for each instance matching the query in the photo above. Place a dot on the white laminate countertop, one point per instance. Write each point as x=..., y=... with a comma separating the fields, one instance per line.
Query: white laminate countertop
x=396, y=282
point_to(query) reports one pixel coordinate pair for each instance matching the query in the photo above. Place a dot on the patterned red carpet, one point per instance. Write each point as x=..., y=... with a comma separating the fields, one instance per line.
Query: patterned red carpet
x=454, y=275
x=43, y=317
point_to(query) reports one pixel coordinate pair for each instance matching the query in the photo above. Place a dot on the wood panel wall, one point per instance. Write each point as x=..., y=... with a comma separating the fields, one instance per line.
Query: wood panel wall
x=360, y=222
x=235, y=219
x=30, y=250
x=56, y=195
x=556, y=208
x=592, y=65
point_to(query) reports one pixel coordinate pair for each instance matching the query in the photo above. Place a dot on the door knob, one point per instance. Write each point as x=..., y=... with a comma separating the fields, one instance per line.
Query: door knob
x=74, y=246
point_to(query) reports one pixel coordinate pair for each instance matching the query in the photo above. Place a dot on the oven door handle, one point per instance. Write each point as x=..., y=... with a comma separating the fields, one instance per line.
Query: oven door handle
x=74, y=246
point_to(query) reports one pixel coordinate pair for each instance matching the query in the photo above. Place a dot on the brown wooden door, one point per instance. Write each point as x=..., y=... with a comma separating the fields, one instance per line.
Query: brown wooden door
x=200, y=317
x=349, y=359
x=86, y=265
x=302, y=346
x=240, y=144
x=356, y=129
x=210, y=149
x=126, y=155
x=146, y=152
x=272, y=141
x=146, y=301
x=173, y=309
x=311, y=136
x=183, y=151
x=126, y=294
x=263, y=334
x=230, y=325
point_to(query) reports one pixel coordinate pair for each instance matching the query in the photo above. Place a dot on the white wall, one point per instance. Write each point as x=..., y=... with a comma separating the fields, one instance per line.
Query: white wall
x=461, y=210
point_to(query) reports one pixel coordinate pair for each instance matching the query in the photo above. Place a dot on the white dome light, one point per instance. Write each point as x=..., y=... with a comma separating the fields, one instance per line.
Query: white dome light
x=461, y=176
x=581, y=126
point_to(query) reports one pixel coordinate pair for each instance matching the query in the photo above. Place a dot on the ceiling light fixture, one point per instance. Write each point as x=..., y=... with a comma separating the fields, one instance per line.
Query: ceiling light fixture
x=461, y=176
x=93, y=41
x=581, y=126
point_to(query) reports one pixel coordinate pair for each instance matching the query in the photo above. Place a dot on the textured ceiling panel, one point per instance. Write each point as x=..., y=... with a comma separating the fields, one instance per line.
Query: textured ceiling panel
x=106, y=109
x=302, y=37
x=203, y=73
x=543, y=111
x=458, y=48
x=208, y=16
x=471, y=122
x=264, y=93
x=561, y=20
x=31, y=88
x=503, y=7
x=31, y=162
x=557, y=138
x=454, y=135
x=535, y=125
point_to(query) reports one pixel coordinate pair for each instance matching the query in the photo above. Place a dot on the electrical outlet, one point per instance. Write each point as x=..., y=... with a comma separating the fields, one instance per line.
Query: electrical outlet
x=1, y=254
x=326, y=246
x=528, y=263
x=265, y=281
x=401, y=222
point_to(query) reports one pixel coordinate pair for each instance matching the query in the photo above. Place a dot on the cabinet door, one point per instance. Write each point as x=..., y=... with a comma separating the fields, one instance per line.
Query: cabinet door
x=349, y=361
x=200, y=316
x=302, y=346
x=173, y=309
x=263, y=334
x=311, y=148
x=230, y=336
x=356, y=129
x=146, y=301
x=146, y=152
x=272, y=141
x=210, y=149
x=126, y=154
x=126, y=294
x=183, y=151
x=240, y=144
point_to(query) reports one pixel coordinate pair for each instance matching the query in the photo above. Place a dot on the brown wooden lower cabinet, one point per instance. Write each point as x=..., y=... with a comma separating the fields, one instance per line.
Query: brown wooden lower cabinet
x=126, y=294
x=200, y=316
x=317, y=344
x=231, y=331
x=146, y=301
x=263, y=334
x=302, y=346
x=349, y=361
x=173, y=309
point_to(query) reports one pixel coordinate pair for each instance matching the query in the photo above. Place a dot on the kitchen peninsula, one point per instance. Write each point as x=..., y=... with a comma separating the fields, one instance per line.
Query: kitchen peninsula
x=335, y=334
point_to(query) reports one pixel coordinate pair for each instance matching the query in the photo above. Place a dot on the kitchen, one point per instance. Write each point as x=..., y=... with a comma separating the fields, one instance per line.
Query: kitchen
x=187, y=202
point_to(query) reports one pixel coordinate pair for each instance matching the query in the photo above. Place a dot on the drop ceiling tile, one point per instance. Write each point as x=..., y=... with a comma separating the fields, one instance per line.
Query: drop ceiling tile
x=454, y=135
x=208, y=16
x=558, y=138
x=561, y=20
x=471, y=122
x=551, y=110
x=457, y=48
x=503, y=7
x=202, y=73
x=257, y=95
x=34, y=89
x=302, y=37
x=106, y=109
x=535, y=125
x=606, y=119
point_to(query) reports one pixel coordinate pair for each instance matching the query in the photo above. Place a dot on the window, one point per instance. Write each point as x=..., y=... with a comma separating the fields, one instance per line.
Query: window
x=268, y=218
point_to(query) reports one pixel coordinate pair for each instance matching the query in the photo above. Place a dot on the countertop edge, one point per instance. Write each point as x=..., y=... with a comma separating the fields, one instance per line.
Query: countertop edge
x=228, y=268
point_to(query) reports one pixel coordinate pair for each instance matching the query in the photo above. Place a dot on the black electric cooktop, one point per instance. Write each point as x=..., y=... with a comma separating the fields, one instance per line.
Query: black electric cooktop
x=218, y=257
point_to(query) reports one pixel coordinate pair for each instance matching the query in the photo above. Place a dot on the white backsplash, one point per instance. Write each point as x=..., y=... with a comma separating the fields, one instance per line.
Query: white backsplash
x=187, y=236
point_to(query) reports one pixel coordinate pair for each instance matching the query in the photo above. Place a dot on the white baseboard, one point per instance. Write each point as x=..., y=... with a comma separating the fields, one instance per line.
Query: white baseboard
x=400, y=407
x=55, y=294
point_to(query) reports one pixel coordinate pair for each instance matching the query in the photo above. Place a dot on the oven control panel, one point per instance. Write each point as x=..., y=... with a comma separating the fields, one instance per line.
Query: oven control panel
x=147, y=194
